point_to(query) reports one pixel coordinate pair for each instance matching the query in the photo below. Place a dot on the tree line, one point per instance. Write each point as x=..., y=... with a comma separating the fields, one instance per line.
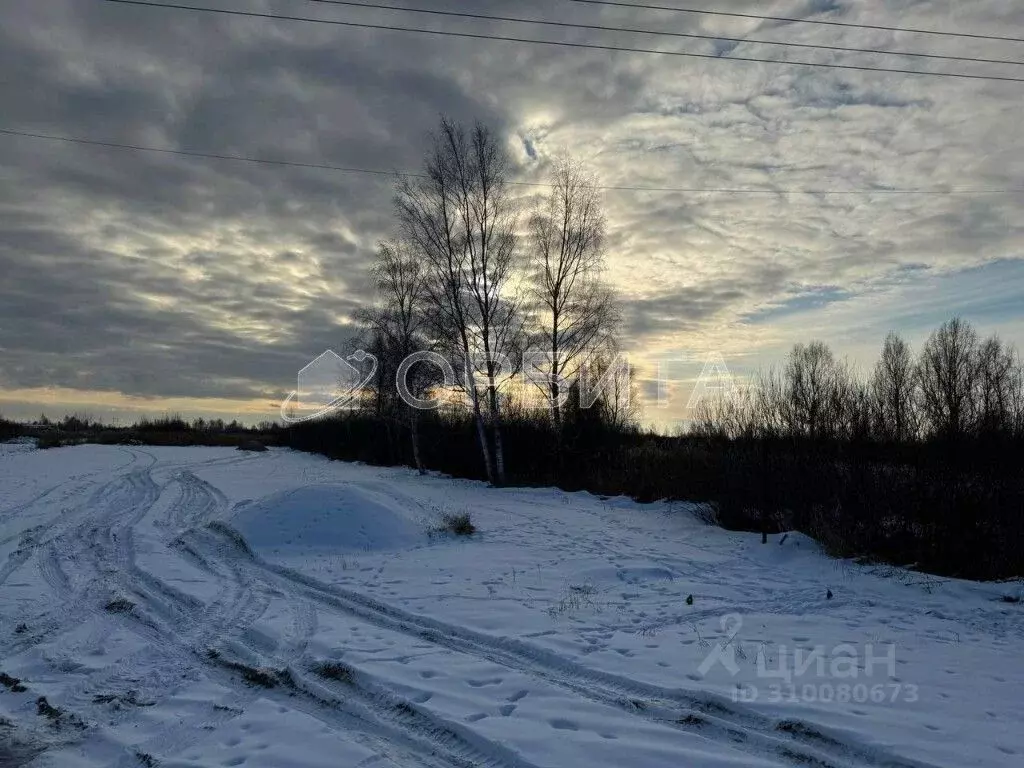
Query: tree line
x=917, y=463
x=956, y=390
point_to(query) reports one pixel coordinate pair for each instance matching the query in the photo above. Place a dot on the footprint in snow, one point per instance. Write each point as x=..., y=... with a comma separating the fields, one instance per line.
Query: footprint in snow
x=486, y=682
x=560, y=724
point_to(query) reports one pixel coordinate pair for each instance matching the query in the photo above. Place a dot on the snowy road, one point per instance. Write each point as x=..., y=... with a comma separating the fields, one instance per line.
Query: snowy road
x=205, y=607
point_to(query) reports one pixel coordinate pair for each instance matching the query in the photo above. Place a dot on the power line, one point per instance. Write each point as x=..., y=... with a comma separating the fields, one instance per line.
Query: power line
x=407, y=174
x=653, y=32
x=791, y=20
x=554, y=43
x=206, y=155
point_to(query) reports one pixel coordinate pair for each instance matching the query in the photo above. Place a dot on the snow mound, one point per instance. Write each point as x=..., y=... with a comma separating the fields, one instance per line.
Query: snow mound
x=338, y=518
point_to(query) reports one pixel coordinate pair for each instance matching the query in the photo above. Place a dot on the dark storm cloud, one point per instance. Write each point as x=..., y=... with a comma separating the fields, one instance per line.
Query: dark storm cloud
x=158, y=275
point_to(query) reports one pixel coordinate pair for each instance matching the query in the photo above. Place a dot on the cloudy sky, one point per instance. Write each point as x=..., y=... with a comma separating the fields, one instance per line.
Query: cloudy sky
x=143, y=282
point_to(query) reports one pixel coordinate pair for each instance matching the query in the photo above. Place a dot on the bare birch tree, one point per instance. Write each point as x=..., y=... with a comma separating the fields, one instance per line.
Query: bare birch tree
x=573, y=312
x=461, y=219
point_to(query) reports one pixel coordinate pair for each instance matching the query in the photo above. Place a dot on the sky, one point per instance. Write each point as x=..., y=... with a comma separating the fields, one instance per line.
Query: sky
x=145, y=283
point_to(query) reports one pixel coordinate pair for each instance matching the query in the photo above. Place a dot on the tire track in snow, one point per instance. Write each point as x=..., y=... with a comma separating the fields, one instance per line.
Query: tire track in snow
x=112, y=548
x=73, y=485
x=40, y=535
x=199, y=503
x=53, y=574
x=373, y=725
x=303, y=628
x=713, y=717
x=58, y=545
x=185, y=628
x=103, y=546
x=376, y=712
x=183, y=632
x=103, y=551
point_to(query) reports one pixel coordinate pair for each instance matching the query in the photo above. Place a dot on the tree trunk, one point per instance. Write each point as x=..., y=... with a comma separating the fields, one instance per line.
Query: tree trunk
x=556, y=408
x=499, y=446
x=499, y=452
x=414, y=432
x=480, y=430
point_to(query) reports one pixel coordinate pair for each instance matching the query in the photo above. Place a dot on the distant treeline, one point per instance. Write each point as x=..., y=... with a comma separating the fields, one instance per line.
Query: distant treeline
x=170, y=429
x=918, y=465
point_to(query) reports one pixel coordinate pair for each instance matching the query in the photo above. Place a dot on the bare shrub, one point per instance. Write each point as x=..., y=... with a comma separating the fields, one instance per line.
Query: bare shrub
x=458, y=524
x=119, y=605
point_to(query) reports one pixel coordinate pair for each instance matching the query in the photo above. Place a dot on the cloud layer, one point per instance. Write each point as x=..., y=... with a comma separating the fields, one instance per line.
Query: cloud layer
x=138, y=275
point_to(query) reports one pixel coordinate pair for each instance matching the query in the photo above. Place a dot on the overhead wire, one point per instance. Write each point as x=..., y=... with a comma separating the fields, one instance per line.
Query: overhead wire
x=556, y=43
x=796, y=20
x=657, y=33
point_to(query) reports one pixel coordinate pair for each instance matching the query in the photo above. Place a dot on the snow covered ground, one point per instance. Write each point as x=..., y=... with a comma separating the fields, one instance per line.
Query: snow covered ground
x=205, y=607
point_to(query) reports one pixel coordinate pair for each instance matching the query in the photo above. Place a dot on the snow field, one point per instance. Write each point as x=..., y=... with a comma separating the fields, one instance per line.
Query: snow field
x=286, y=610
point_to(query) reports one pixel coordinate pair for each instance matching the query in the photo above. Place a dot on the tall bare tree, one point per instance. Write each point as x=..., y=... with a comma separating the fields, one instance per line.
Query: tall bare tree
x=818, y=392
x=894, y=391
x=461, y=219
x=620, y=403
x=947, y=372
x=573, y=312
x=997, y=366
x=1016, y=400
